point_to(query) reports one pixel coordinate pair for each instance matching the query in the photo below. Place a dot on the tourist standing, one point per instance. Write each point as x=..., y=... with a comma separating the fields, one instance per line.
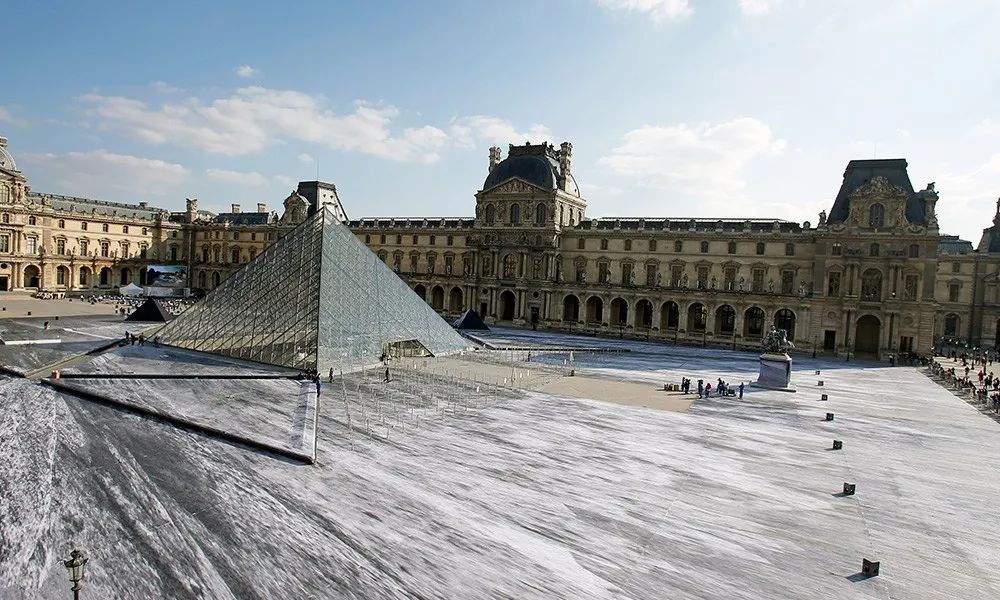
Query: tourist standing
x=701, y=388
x=741, y=390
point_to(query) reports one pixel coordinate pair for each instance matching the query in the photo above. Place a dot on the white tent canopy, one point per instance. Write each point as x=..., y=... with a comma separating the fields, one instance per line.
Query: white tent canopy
x=131, y=290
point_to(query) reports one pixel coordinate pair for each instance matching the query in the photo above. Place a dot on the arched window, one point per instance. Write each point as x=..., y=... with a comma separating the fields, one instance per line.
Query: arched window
x=540, y=214
x=731, y=248
x=876, y=216
x=515, y=214
x=760, y=247
x=491, y=214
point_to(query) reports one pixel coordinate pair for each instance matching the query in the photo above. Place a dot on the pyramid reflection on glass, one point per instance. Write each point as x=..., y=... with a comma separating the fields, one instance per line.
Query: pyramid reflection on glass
x=317, y=298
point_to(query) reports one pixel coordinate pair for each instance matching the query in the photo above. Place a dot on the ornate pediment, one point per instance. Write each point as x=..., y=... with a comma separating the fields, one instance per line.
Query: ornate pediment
x=514, y=186
x=879, y=187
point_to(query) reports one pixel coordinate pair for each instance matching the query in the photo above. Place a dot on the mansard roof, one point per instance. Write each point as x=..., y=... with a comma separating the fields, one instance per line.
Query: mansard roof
x=89, y=206
x=682, y=224
x=860, y=172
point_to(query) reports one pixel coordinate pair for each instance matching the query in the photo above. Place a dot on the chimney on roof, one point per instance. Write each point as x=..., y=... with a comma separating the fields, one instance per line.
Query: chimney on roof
x=192, y=210
x=235, y=209
x=261, y=207
x=565, y=158
x=494, y=157
x=144, y=204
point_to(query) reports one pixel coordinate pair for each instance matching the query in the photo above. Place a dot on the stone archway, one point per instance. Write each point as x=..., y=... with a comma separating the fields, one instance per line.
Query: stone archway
x=84, y=277
x=126, y=276
x=571, y=309
x=669, y=315
x=105, y=276
x=753, y=323
x=507, y=305
x=725, y=320
x=619, y=312
x=867, y=335
x=32, y=277
x=437, y=298
x=595, y=310
x=455, y=299
x=420, y=290
x=643, y=314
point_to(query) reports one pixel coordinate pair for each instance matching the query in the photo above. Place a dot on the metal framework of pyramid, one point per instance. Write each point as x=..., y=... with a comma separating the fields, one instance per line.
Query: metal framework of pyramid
x=318, y=298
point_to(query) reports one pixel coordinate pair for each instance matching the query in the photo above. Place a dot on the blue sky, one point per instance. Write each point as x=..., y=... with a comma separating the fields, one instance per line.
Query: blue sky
x=727, y=108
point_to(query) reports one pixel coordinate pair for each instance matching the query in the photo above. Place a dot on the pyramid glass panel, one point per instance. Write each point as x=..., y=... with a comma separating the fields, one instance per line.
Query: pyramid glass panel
x=316, y=299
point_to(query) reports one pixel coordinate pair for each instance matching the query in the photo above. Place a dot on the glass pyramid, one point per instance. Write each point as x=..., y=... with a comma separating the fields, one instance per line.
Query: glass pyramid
x=316, y=299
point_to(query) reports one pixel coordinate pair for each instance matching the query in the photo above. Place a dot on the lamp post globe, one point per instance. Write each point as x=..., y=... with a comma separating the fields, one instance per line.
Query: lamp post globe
x=76, y=565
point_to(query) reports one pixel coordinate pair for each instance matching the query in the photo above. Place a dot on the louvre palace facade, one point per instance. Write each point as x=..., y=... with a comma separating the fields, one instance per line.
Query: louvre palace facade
x=873, y=276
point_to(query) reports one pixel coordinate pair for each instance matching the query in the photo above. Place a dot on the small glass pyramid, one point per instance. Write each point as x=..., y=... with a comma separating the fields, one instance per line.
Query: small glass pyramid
x=316, y=299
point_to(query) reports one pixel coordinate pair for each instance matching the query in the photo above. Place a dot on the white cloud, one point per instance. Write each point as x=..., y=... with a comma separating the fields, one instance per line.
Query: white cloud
x=658, y=10
x=246, y=71
x=254, y=118
x=237, y=177
x=968, y=197
x=163, y=87
x=754, y=8
x=467, y=131
x=7, y=117
x=987, y=128
x=596, y=189
x=103, y=173
x=702, y=160
x=306, y=158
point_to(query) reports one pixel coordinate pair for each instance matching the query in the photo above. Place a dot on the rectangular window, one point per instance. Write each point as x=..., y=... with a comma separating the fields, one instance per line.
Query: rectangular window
x=84, y=248
x=5, y=243
x=604, y=244
x=581, y=244
x=104, y=249
x=910, y=287
x=399, y=240
x=104, y=227
x=676, y=275
x=729, y=283
x=253, y=236
x=413, y=263
x=83, y=226
x=956, y=267
x=757, y=283
x=31, y=245
x=416, y=240
x=60, y=246
x=833, y=284
x=381, y=238
x=145, y=231
x=433, y=239
x=236, y=235
x=628, y=245
x=450, y=240
x=603, y=273
x=652, y=245
x=731, y=248
x=788, y=282
x=953, y=292
x=836, y=249
x=124, y=228
x=650, y=275
x=702, y=277
x=626, y=273
x=789, y=249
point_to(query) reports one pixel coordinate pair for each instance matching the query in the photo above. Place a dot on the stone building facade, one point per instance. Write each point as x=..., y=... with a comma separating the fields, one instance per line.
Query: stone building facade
x=875, y=276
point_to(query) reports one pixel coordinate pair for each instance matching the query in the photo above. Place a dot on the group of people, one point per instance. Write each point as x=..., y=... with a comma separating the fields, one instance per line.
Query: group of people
x=722, y=388
x=132, y=339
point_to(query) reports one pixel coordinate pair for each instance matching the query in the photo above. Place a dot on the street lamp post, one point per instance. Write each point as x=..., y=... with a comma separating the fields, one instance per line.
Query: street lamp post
x=75, y=565
x=704, y=326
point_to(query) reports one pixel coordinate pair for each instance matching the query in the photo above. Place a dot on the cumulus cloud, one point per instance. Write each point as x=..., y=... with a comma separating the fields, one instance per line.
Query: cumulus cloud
x=306, y=158
x=969, y=195
x=755, y=8
x=254, y=118
x=702, y=160
x=245, y=71
x=163, y=87
x=99, y=172
x=236, y=177
x=658, y=10
x=466, y=132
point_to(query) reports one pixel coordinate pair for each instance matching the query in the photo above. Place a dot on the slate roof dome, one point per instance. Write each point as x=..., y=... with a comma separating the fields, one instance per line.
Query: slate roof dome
x=6, y=160
x=536, y=164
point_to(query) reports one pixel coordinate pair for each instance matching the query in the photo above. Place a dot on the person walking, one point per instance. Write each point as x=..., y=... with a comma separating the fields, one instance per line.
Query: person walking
x=741, y=390
x=708, y=390
x=701, y=388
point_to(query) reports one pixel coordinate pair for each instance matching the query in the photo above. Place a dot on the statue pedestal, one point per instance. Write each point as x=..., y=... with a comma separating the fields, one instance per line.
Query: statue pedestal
x=775, y=373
